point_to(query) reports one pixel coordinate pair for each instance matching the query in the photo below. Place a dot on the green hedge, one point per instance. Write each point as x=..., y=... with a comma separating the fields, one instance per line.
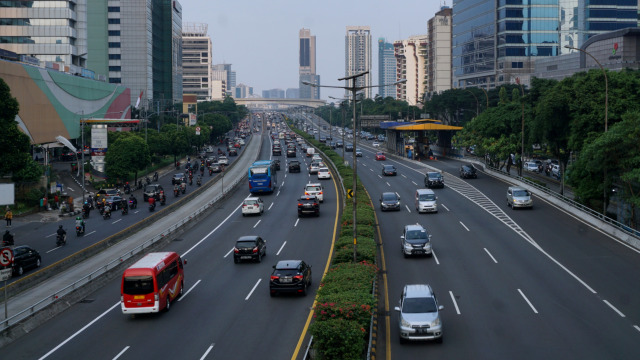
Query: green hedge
x=339, y=339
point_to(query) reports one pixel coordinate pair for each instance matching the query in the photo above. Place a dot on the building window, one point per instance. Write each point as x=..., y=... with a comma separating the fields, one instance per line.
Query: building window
x=517, y=65
x=114, y=56
x=115, y=68
x=114, y=21
x=115, y=80
x=114, y=32
x=113, y=9
x=114, y=44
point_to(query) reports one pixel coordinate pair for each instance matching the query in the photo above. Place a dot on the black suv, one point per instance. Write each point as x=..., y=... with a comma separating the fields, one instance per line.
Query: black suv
x=152, y=190
x=294, y=166
x=276, y=150
x=291, y=152
x=290, y=276
x=308, y=204
x=389, y=170
x=249, y=248
x=433, y=179
x=468, y=171
x=25, y=257
x=178, y=178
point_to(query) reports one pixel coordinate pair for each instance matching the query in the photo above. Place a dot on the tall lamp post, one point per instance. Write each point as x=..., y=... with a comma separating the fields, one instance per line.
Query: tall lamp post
x=606, y=121
x=342, y=122
x=522, y=129
x=354, y=89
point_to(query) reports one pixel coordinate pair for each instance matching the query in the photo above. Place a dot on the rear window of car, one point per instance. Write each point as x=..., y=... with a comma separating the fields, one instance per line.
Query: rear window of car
x=286, y=272
x=251, y=202
x=137, y=285
x=419, y=305
x=313, y=188
x=246, y=244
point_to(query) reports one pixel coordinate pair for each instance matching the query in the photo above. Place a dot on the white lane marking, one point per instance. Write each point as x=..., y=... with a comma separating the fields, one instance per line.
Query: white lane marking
x=188, y=291
x=285, y=176
x=48, y=236
x=414, y=183
x=212, y=231
x=454, y=302
x=446, y=208
x=296, y=224
x=380, y=176
x=135, y=212
x=435, y=257
x=407, y=206
x=403, y=175
x=281, y=247
x=492, y=258
x=227, y=254
x=398, y=195
x=614, y=308
x=466, y=228
x=254, y=287
x=116, y=221
x=254, y=226
x=70, y=188
x=388, y=183
x=90, y=233
x=637, y=327
x=528, y=302
x=270, y=206
x=282, y=183
x=371, y=170
x=208, y=351
x=121, y=352
x=79, y=331
x=55, y=248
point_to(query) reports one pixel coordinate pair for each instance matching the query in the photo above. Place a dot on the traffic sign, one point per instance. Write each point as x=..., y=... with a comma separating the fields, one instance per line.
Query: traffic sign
x=349, y=193
x=6, y=257
x=5, y=274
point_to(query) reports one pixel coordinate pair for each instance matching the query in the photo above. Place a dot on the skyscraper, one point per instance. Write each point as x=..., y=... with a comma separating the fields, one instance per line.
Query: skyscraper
x=307, y=71
x=386, y=68
x=411, y=57
x=438, y=73
x=231, y=76
x=358, y=56
x=196, y=61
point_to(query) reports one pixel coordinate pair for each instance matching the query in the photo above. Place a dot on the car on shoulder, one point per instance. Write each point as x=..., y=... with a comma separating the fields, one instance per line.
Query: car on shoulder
x=419, y=314
x=389, y=201
x=415, y=240
x=308, y=205
x=518, y=197
x=380, y=156
x=433, y=179
x=249, y=248
x=232, y=152
x=389, y=170
x=426, y=201
x=178, y=178
x=375, y=144
x=294, y=166
x=468, y=172
x=24, y=258
x=293, y=276
x=223, y=160
x=358, y=152
x=314, y=189
x=252, y=205
x=324, y=173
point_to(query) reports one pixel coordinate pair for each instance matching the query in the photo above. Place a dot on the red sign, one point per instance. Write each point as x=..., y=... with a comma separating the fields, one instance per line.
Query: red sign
x=6, y=257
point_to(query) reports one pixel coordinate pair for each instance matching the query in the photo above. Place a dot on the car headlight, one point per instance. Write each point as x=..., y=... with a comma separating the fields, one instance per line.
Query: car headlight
x=436, y=322
x=404, y=323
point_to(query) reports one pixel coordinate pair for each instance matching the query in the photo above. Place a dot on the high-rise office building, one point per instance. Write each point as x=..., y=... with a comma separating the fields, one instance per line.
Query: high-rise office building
x=386, y=68
x=438, y=73
x=196, y=61
x=411, y=58
x=292, y=93
x=167, y=49
x=242, y=91
x=357, y=49
x=231, y=76
x=307, y=70
x=495, y=42
x=273, y=94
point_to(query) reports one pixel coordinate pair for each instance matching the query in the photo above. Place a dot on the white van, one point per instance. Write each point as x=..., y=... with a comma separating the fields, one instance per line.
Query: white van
x=426, y=201
x=310, y=151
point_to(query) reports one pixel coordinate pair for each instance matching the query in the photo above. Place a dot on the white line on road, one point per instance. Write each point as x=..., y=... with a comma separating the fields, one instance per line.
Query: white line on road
x=70, y=188
x=116, y=221
x=380, y=176
x=254, y=287
x=388, y=183
x=296, y=224
x=371, y=170
x=529, y=302
x=637, y=327
x=188, y=291
x=227, y=254
x=466, y=228
x=282, y=183
x=614, y=308
x=122, y=352
x=79, y=331
x=492, y=258
x=281, y=247
x=398, y=195
x=414, y=183
x=435, y=257
x=208, y=351
x=407, y=206
x=212, y=231
x=454, y=302
x=403, y=175
x=137, y=211
x=48, y=236
x=270, y=206
x=285, y=176
x=278, y=193
x=254, y=226
x=90, y=233
x=446, y=208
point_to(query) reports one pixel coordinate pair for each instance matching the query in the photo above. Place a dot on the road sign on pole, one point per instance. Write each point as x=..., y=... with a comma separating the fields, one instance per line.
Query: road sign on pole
x=349, y=193
x=6, y=256
x=5, y=274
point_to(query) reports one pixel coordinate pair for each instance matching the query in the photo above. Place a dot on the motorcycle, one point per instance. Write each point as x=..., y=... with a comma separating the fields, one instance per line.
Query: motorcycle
x=61, y=240
x=198, y=182
x=148, y=180
x=190, y=180
x=127, y=189
x=176, y=192
x=210, y=171
x=107, y=213
x=152, y=207
x=155, y=176
x=133, y=204
x=125, y=210
x=85, y=213
x=163, y=199
x=183, y=187
x=79, y=230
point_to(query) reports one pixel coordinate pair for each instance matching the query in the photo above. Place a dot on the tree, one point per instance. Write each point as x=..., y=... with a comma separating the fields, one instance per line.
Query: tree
x=127, y=154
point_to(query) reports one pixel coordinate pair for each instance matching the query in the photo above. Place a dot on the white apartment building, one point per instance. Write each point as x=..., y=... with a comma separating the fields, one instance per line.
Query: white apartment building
x=196, y=61
x=357, y=49
x=438, y=63
x=411, y=65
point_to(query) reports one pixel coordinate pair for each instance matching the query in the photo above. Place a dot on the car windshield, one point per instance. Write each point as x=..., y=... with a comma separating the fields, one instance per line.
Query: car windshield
x=434, y=176
x=251, y=202
x=149, y=188
x=520, y=193
x=419, y=305
x=389, y=197
x=416, y=234
x=427, y=197
x=246, y=244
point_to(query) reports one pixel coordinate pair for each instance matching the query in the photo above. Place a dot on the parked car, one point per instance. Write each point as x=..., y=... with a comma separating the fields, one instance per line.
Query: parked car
x=152, y=190
x=290, y=276
x=426, y=201
x=419, y=314
x=308, y=204
x=468, y=171
x=389, y=170
x=252, y=205
x=249, y=248
x=380, y=156
x=433, y=179
x=314, y=189
x=518, y=197
x=294, y=166
x=389, y=201
x=25, y=257
x=415, y=240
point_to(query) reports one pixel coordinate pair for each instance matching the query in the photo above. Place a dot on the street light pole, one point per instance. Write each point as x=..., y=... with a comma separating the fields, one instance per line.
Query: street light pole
x=522, y=129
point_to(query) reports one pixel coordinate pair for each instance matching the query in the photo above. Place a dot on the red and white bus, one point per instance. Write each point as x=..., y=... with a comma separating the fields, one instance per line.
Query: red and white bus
x=150, y=284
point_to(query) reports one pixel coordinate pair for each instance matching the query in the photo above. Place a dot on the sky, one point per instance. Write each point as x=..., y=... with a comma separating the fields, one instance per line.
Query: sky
x=260, y=38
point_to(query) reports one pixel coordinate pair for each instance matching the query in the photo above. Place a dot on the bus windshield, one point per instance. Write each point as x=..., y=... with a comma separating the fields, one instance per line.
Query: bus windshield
x=137, y=285
x=259, y=172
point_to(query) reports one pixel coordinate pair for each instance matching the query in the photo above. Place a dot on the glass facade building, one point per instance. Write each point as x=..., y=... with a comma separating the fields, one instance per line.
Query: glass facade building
x=307, y=70
x=386, y=68
x=357, y=49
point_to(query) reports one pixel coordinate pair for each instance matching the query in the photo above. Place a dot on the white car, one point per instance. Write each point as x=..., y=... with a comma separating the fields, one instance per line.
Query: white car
x=314, y=167
x=324, y=173
x=375, y=144
x=252, y=205
x=314, y=189
x=316, y=158
x=222, y=160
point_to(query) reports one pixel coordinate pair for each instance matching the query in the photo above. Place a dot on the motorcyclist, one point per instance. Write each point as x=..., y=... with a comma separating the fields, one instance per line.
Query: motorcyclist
x=199, y=181
x=152, y=202
x=127, y=188
x=86, y=208
x=90, y=201
x=107, y=211
x=61, y=232
x=155, y=176
x=163, y=198
x=176, y=189
x=7, y=239
x=80, y=222
x=133, y=200
x=124, y=204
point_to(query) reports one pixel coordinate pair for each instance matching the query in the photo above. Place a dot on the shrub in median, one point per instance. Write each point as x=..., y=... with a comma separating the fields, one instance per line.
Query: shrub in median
x=339, y=339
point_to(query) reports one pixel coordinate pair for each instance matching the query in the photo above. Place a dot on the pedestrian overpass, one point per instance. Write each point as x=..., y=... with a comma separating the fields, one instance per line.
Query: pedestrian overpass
x=278, y=104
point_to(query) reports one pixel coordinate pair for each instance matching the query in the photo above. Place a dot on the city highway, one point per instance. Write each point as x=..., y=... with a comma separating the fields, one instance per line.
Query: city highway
x=226, y=311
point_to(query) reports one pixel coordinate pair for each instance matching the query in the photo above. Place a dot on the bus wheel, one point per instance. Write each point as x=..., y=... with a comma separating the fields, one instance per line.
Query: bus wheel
x=168, y=307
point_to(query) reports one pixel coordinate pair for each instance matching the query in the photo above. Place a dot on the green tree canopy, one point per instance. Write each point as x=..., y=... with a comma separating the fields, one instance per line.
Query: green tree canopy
x=129, y=153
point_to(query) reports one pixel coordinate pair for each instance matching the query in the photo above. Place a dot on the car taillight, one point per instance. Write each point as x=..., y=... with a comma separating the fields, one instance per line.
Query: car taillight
x=297, y=277
x=235, y=250
x=299, y=204
x=255, y=249
x=306, y=193
x=244, y=205
x=320, y=193
x=274, y=277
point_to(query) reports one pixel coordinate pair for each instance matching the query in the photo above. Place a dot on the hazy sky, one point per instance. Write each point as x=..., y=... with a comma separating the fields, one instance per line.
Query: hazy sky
x=260, y=38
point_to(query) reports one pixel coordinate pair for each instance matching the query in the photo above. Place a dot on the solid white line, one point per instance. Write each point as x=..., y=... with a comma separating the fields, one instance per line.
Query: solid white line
x=492, y=258
x=79, y=331
x=207, y=352
x=254, y=287
x=296, y=224
x=55, y=248
x=121, y=352
x=270, y=206
x=414, y=183
x=403, y=175
x=90, y=233
x=637, y=327
x=464, y=226
x=614, y=308
x=212, y=231
x=407, y=206
x=188, y=291
x=116, y=221
x=254, y=226
x=281, y=247
x=454, y=302
x=435, y=257
x=528, y=302
x=446, y=208
x=227, y=254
